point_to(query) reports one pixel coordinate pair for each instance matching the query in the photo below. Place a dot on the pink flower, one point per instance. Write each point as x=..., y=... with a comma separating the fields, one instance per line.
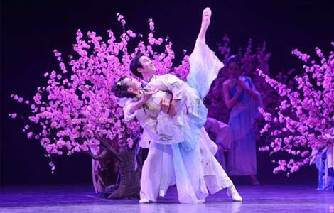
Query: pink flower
x=13, y=115
x=304, y=112
x=29, y=134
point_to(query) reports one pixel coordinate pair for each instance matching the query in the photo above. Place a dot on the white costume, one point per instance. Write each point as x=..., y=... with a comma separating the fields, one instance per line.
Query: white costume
x=180, y=143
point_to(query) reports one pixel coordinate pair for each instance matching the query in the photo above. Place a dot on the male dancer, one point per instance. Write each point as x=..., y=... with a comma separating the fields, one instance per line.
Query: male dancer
x=184, y=155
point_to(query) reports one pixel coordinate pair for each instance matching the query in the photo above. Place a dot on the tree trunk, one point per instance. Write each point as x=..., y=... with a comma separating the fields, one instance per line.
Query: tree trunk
x=104, y=172
x=129, y=173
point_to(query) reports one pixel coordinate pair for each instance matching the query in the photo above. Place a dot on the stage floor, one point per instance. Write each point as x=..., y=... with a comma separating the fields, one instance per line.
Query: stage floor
x=269, y=198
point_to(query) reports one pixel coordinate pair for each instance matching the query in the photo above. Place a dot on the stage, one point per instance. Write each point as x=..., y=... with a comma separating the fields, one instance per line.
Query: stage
x=268, y=198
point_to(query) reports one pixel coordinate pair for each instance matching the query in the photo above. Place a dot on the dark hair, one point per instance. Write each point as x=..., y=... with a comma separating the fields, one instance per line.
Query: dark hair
x=135, y=64
x=120, y=89
x=233, y=58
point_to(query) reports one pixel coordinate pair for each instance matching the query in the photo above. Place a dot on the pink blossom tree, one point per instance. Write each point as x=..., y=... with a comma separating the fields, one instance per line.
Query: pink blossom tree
x=74, y=110
x=304, y=118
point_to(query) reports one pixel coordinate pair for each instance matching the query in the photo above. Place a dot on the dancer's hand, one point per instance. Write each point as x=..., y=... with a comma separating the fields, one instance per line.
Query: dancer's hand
x=147, y=94
x=172, y=110
x=242, y=84
x=248, y=89
x=239, y=91
x=239, y=87
x=168, y=107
